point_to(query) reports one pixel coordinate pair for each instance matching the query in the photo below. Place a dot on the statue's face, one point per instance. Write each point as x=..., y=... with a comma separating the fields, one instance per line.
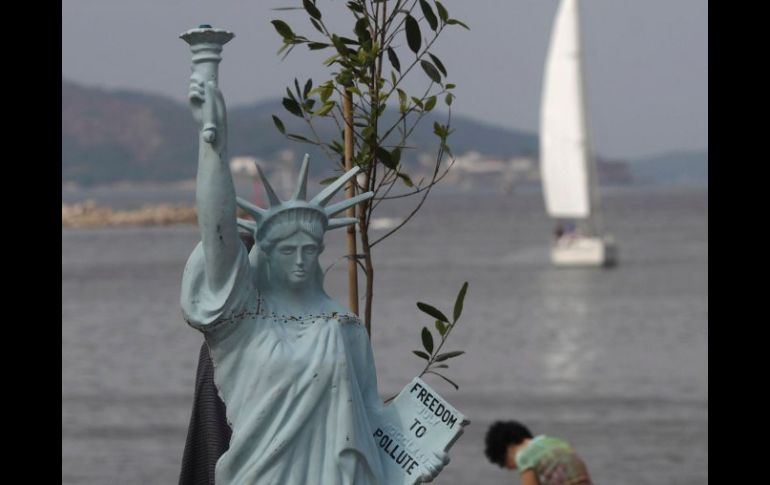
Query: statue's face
x=294, y=260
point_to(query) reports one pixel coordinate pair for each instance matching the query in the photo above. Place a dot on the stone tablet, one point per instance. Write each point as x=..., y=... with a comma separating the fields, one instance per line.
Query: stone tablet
x=416, y=424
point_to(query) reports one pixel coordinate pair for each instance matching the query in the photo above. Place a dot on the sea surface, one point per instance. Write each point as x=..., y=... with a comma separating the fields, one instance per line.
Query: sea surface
x=615, y=361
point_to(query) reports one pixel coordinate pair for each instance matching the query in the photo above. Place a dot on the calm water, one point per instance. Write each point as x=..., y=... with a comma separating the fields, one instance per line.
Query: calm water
x=615, y=361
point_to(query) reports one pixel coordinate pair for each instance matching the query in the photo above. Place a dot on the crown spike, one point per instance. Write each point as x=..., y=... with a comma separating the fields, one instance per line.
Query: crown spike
x=315, y=208
x=340, y=222
x=326, y=194
x=335, y=209
x=300, y=192
x=274, y=200
x=248, y=225
x=257, y=213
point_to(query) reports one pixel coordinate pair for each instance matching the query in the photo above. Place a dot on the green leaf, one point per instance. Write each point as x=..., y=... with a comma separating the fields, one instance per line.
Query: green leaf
x=298, y=138
x=312, y=9
x=450, y=86
x=421, y=354
x=308, y=105
x=417, y=101
x=448, y=380
x=442, y=11
x=431, y=71
x=339, y=45
x=279, y=124
x=441, y=327
x=457, y=22
x=430, y=103
x=429, y=15
x=406, y=179
x=326, y=91
x=403, y=102
x=336, y=147
x=440, y=366
x=449, y=355
x=283, y=29
x=317, y=26
x=362, y=30
x=413, y=36
x=440, y=130
x=459, y=301
x=345, y=78
x=296, y=87
x=427, y=340
x=324, y=109
x=432, y=311
x=286, y=45
x=330, y=60
x=381, y=109
x=292, y=107
x=438, y=64
x=384, y=156
x=355, y=7
x=308, y=87
x=393, y=58
x=448, y=99
x=395, y=155
x=315, y=46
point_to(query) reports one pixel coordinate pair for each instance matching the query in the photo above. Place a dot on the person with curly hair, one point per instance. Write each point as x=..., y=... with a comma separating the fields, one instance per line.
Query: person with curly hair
x=540, y=460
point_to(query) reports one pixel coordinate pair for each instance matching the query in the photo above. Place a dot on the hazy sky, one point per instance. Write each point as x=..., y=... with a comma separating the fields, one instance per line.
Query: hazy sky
x=646, y=60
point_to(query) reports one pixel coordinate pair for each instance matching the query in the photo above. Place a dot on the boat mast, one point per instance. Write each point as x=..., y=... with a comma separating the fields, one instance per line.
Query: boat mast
x=593, y=222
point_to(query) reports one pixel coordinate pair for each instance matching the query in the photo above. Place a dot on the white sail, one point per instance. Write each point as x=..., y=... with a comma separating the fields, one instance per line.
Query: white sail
x=564, y=150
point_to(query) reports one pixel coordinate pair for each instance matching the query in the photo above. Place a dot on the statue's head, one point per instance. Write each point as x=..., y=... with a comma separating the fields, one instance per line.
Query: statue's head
x=291, y=246
x=289, y=234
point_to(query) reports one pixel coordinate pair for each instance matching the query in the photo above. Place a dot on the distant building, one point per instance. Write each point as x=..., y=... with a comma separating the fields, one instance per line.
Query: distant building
x=244, y=165
x=613, y=172
x=474, y=170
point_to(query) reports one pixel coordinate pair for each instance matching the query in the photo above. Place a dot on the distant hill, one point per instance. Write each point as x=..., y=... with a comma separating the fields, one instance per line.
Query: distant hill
x=115, y=136
x=111, y=136
x=686, y=168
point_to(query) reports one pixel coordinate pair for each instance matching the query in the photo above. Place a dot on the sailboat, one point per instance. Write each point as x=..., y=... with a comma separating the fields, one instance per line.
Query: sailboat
x=568, y=169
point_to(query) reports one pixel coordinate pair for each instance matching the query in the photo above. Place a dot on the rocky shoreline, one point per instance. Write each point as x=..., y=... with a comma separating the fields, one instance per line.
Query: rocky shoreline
x=89, y=214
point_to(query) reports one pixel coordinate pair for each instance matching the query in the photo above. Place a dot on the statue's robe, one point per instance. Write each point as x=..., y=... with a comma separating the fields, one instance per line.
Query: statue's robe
x=300, y=391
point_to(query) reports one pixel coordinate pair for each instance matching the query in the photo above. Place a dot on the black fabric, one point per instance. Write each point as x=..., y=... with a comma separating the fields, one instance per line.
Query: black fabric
x=208, y=435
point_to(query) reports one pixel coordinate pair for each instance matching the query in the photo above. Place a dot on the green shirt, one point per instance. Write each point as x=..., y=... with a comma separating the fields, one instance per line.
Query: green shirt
x=554, y=462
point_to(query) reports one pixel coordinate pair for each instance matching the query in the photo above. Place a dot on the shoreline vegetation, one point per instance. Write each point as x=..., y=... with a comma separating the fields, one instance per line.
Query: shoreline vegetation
x=89, y=214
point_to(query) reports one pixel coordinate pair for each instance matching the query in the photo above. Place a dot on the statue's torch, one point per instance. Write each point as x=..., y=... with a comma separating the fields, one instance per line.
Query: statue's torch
x=206, y=46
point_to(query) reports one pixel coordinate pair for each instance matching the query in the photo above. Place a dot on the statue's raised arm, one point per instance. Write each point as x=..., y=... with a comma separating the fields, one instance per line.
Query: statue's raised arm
x=215, y=193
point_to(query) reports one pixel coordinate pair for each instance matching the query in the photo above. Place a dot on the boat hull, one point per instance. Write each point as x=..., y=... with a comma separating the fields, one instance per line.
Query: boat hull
x=584, y=251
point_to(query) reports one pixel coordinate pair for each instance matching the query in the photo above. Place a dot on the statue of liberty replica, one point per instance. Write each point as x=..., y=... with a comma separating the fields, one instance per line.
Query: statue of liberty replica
x=292, y=366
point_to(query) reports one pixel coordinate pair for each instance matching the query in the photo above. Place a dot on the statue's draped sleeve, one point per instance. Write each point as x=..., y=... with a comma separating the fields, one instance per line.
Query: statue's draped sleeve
x=206, y=308
x=360, y=348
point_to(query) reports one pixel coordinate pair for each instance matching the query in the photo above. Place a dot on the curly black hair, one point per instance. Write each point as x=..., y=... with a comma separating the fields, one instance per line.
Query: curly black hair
x=500, y=435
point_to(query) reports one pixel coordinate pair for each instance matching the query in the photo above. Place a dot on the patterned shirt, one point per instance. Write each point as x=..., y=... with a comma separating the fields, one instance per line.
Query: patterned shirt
x=554, y=462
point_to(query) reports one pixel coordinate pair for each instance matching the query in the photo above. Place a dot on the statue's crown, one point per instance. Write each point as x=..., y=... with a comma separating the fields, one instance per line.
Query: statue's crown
x=315, y=207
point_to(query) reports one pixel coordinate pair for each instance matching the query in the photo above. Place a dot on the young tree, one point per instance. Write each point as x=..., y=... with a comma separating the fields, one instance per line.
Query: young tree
x=367, y=67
